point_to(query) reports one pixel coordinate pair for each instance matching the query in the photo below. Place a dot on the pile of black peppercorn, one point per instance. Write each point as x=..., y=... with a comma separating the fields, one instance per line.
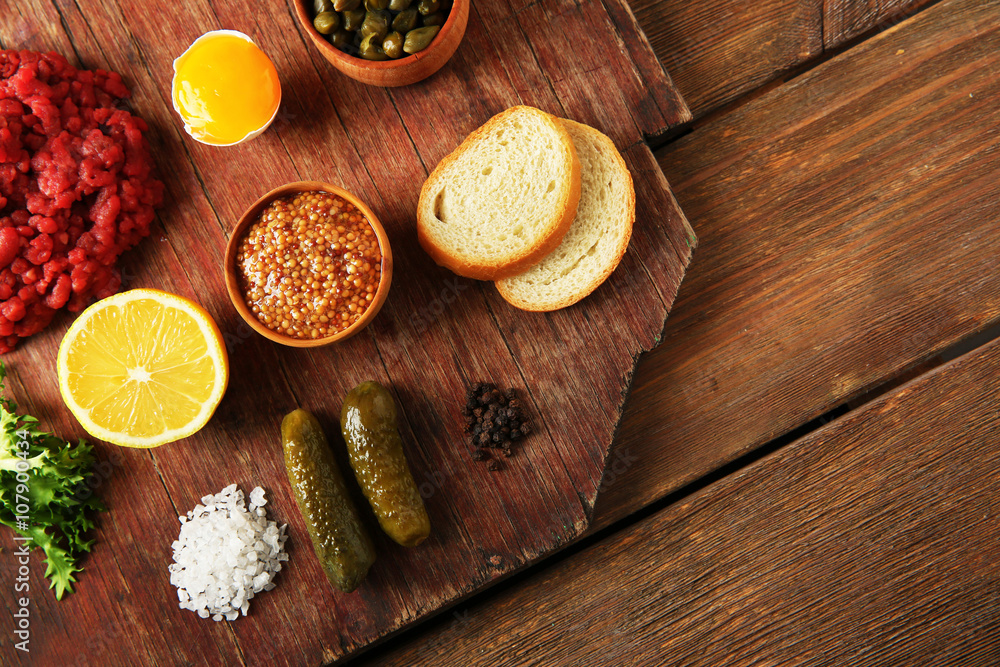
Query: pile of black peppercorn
x=494, y=420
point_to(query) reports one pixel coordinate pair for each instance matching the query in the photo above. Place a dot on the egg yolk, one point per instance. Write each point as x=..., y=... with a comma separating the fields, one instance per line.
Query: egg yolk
x=225, y=88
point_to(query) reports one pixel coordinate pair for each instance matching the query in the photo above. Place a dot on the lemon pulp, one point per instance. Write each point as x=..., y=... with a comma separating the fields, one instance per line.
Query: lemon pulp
x=143, y=368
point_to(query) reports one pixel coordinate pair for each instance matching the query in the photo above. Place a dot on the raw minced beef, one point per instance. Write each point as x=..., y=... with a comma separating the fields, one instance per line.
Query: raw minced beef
x=76, y=188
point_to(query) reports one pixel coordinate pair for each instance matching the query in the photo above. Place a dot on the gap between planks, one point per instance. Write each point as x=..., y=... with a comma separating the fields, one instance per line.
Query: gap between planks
x=454, y=613
x=661, y=141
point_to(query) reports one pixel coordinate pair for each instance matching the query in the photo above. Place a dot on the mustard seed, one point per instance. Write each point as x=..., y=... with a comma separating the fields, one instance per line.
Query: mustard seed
x=289, y=263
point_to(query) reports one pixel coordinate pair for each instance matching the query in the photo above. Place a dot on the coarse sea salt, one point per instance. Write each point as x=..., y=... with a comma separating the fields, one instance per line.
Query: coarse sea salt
x=226, y=554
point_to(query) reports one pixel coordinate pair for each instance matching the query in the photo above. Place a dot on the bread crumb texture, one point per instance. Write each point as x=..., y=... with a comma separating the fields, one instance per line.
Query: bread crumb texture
x=597, y=239
x=501, y=195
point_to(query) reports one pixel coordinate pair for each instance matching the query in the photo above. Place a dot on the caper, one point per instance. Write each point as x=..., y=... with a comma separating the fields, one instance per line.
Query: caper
x=375, y=23
x=370, y=48
x=405, y=21
x=340, y=39
x=326, y=22
x=399, y=5
x=437, y=18
x=353, y=18
x=392, y=45
x=376, y=5
x=346, y=5
x=320, y=6
x=426, y=7
x=420, y=38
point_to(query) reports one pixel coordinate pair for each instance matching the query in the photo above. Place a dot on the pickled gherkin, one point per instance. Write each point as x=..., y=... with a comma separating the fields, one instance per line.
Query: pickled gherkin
x=342, y=544
x=368, y=422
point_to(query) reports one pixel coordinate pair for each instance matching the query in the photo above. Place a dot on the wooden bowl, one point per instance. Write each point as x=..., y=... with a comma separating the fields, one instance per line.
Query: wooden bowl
x=392, y=73
x=251, y=215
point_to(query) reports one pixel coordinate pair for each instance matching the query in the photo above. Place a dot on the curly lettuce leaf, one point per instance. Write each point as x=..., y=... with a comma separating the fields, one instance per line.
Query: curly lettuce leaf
x=57, y=496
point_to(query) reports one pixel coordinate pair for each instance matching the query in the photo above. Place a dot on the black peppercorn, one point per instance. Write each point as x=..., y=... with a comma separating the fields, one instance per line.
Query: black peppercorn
x=495, y=419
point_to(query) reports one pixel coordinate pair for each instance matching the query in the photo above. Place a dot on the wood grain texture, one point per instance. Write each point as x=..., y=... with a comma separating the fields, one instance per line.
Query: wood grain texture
x=435, y=334
x=873, y=541
x=844, y=20
x=718, y=50
x=851, y=228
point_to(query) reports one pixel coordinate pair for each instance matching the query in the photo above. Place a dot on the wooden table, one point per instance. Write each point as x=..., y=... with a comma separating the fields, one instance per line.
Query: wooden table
x=807, y=471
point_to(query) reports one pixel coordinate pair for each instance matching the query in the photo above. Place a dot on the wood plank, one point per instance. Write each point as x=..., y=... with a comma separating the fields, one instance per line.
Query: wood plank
x=719, y=50
x=844, y=20
x=435, y=334
x=872, y=541
x=851, y=228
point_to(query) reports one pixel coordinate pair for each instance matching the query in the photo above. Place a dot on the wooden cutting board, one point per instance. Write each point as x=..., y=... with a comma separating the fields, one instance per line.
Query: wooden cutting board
x=436, y=334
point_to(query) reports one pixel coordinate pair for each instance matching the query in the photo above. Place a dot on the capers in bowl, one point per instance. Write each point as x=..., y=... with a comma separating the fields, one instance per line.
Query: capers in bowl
x=426, y=7
x=379, y=29
x=437, y=19
x=352, y=20
x=406, y=20
x=419, y=38
x=376, y=23
x=371, y=49
x=341, y=39
x=326, y=22
x=392, y=45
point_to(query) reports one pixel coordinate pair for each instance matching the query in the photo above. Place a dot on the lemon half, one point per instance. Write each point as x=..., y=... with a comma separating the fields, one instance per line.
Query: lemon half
x=143, y=368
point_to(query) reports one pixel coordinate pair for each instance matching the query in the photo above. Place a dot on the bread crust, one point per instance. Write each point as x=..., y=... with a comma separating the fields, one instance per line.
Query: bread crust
x=558, y=227
x=619, y=252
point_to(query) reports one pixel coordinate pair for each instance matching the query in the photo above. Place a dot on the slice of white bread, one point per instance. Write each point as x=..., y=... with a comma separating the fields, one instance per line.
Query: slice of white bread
x=597, y=239
x=503, y=199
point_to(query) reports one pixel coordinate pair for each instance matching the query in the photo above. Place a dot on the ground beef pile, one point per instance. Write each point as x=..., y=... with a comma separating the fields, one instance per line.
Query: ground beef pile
x=76, y=188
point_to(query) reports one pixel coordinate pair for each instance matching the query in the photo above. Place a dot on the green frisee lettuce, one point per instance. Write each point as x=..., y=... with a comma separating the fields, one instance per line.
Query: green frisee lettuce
x=57, y=495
